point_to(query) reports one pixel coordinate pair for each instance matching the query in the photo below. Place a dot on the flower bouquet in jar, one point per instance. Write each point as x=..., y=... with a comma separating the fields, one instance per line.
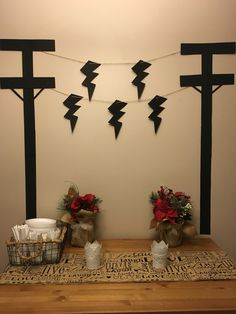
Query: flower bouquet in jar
x=172, y=213
x=80, y=212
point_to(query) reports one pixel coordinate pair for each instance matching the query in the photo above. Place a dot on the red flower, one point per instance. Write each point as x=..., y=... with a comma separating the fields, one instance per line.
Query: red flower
x=162, y=211
x=88, y=198
x=170, y=214
x=75, y=204
x=94, y=208
x=177, y=194
x=161, y=204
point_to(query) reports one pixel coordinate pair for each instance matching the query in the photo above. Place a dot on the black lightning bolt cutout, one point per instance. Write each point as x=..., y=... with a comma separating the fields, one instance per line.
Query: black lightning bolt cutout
x=87, y=70
x=138, y=69
x=70, y=103
x=115, y=110
x=155, y=104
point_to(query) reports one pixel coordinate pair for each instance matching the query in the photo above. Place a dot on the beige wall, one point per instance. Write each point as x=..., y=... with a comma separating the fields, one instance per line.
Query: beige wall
x=122, y=172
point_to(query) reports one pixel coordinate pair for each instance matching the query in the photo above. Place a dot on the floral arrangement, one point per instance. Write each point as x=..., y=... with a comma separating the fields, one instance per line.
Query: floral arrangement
x=79, y=206
x=173, y=207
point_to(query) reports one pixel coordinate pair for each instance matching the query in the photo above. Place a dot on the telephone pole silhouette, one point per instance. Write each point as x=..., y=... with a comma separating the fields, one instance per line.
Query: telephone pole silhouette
x=28, y=83
x=206, y=81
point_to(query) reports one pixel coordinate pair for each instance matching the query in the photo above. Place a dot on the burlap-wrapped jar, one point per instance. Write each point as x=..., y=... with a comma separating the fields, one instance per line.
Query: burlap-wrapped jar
x=83, y=229
x=171, y=234
x=82, y=232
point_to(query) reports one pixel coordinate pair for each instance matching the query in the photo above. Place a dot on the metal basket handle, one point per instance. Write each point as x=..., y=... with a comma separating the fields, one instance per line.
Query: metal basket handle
x=27, y=258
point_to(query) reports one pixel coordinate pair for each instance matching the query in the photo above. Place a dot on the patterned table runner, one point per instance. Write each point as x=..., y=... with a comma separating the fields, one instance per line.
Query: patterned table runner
x=126, y=267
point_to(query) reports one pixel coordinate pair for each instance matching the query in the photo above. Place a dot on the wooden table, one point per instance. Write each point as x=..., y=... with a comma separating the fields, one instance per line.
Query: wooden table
x=154, y=297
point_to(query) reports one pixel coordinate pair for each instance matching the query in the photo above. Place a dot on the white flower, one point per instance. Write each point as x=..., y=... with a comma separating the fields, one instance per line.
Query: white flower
x=188, y=206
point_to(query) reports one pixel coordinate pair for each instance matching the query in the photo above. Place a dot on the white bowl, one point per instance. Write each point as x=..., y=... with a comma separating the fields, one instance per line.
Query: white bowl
x=41, y=230
x=41, y=223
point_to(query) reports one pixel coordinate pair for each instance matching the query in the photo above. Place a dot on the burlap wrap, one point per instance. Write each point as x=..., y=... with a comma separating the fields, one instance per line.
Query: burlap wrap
x=82, y=232
x=173, y=234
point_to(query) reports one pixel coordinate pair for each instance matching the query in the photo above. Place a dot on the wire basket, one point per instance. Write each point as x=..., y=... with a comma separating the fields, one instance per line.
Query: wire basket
x=36, y=252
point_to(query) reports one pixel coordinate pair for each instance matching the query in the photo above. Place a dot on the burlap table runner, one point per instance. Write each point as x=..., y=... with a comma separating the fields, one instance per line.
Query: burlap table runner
x=126, y=267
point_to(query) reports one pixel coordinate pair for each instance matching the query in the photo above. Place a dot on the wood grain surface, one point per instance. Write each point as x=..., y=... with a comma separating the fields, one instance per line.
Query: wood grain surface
x=155, y=297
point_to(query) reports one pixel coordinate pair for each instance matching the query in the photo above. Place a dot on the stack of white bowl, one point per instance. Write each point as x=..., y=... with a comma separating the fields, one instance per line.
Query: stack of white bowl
x=43, y=227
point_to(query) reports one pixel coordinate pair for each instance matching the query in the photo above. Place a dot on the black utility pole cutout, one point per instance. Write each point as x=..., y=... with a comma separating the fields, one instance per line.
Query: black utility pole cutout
x=206, y=81
x=28, y=83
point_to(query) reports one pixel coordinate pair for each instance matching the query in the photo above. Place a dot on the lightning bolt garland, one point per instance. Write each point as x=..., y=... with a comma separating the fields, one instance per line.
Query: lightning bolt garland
x=87, y=70
x=139, y=68
x=116, y=107
x=70, y=103
x=155, y=104
x=115, y=110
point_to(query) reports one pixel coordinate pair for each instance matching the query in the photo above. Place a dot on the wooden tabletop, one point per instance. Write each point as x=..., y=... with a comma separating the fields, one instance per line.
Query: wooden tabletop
x=153, y=297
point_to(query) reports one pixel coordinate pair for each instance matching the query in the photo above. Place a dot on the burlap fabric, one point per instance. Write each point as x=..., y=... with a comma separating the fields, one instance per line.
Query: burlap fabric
x=126, y=267
x=82, y=232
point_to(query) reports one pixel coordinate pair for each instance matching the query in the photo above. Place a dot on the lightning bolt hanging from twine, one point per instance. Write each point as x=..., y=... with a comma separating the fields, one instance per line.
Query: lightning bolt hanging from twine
x=138, y=69
x=70, y=103
x=88, y=71
x=155, y=104
x=115, y=110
